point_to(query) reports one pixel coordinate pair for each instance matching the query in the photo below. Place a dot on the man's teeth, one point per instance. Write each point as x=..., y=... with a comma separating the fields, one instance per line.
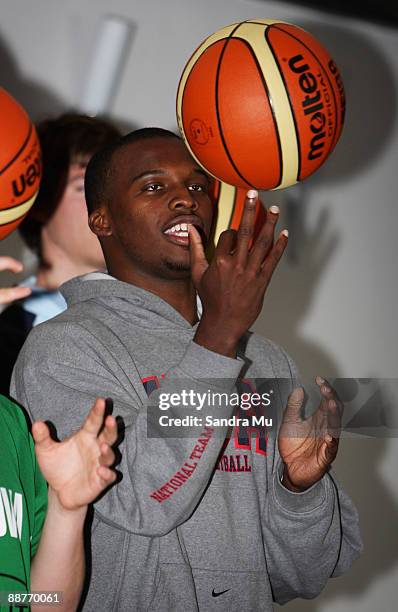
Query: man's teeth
x=180, y=230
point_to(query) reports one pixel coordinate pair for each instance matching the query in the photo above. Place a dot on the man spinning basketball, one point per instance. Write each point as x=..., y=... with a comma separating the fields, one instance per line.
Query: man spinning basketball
x=176, y=533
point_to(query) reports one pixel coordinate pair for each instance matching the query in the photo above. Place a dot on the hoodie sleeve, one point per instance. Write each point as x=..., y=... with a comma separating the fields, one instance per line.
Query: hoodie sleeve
x=309, y=536
x=60, y=371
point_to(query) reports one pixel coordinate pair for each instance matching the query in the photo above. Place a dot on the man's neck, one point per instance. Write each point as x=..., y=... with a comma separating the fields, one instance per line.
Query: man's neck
x=179, y=293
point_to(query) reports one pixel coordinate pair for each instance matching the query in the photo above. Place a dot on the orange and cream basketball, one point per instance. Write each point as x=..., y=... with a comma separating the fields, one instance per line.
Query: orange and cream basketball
x=20, y=164
x=260, y=104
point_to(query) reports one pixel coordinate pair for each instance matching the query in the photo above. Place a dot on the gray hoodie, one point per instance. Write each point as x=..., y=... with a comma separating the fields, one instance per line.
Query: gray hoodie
x=197, y=522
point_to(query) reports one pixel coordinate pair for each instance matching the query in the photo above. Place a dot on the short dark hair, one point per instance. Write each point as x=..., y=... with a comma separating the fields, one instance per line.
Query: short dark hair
x=67, y=139
x=100, y=167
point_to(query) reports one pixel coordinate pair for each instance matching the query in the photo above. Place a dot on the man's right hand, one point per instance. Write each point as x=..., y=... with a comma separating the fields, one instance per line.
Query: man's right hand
x=78, y=469
x=233, y=285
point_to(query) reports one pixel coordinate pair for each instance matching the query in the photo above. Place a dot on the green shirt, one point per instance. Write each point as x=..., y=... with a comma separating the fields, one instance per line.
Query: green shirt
x=23, y=500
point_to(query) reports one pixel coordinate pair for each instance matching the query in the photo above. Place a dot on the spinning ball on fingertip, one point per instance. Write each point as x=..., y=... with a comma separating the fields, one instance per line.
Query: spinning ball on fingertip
x=260, y=104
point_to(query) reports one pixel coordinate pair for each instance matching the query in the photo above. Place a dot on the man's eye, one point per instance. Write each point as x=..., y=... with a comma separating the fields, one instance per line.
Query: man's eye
x=153, y=187
x=197, y=187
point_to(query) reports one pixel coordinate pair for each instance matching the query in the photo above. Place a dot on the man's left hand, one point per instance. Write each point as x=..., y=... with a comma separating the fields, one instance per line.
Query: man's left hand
x=309, y=446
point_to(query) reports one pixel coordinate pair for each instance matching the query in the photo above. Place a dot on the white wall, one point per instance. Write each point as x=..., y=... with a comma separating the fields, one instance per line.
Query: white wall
x=333, y=302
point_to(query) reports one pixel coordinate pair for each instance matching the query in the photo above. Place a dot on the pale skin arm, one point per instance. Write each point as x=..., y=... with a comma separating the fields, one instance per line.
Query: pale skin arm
x=77, y=471
x=59, y=564
x=10, y=294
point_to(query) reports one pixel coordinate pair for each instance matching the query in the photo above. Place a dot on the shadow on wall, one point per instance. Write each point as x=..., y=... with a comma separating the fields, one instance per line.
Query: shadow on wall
x=371, y=101
x=295, y=282
x=40, y=103
x=357, y=469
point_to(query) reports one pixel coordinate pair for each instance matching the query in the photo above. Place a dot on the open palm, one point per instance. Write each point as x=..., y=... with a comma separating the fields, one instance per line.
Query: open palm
x=78, y=467
x=309, y=446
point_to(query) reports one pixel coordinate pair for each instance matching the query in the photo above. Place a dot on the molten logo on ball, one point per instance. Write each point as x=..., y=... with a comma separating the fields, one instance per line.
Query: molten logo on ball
x=274, y=100
x=314, y=105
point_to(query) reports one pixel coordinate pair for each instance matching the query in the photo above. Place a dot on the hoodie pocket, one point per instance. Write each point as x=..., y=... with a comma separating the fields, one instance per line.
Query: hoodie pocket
x=175, y=591
x=224, y=533
x=224, y=544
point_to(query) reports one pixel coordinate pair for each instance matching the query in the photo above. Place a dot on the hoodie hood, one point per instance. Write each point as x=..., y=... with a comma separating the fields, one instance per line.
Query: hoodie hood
x=135, y=305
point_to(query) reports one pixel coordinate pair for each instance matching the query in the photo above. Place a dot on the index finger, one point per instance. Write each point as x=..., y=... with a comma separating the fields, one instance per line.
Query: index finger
x=199, y=263
x=246, y=227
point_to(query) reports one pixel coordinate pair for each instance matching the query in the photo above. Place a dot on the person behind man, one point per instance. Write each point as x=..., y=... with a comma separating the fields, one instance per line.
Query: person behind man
x=41, y=532
x=56, y=228
x=202, y=519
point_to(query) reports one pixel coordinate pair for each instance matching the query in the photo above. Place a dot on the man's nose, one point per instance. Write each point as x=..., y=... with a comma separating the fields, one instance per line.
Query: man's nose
x=183, y=198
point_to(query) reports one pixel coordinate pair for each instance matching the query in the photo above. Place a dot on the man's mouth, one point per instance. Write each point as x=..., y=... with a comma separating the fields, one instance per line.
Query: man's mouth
x=176, y=231
x=178, y=234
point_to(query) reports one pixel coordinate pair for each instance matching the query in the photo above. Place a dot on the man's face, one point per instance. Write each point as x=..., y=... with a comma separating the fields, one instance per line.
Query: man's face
x=158, y=190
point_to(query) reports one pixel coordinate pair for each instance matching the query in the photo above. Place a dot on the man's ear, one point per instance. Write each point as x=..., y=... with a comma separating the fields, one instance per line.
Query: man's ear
x=99, y=222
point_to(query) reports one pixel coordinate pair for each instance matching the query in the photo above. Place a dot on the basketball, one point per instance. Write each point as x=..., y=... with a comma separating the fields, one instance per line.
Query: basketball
x=20, y=164
x=260, y=104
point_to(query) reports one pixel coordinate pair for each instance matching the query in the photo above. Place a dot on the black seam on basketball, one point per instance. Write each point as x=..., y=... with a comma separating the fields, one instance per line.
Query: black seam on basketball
x=217, y=106
x=19, y=150
x=265, y=25
x=289, y=98
x=188, y=78
x=260, y=72
x=183, y=72
x=20, y=203
x=332, y=142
